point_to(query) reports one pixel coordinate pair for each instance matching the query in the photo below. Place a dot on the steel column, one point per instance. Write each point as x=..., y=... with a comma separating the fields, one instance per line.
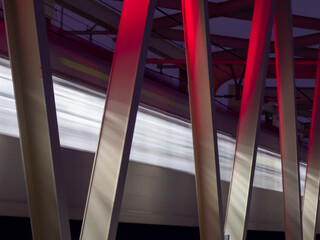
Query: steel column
x=112, y=156
x=201, y=99
x=31, y=71
x=249, y=121
x=312, y=184
x=287, y=119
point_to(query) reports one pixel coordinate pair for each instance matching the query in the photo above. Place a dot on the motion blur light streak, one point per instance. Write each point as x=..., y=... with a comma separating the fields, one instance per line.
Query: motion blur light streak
x=159, y=139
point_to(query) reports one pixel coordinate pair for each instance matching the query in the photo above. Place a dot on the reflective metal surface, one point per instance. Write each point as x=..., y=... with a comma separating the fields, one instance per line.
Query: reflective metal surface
x=111, y=161
x=240, y=191
x=287, y=119
x=40, y=147
x=203, y=117
x=311, y=194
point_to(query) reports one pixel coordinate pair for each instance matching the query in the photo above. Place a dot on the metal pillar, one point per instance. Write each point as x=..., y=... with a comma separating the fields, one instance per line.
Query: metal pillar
x=112, y=156
x=287, y=119
x=249, y=121
x=201, y=94
x=31, y=71
x=312, y=184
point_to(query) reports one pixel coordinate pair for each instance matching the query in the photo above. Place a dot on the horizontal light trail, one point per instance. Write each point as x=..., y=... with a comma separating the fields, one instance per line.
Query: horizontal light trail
x=159, y=139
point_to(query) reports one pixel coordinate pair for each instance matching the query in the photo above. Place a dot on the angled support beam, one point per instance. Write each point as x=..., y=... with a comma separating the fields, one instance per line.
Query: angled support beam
x=249, y=121
x=109, y=19
x=33, y=87
x=112, y=156
x=201, y=98
x=287, y=119
x=312, y=183
x=215, y=10
x=297, y=21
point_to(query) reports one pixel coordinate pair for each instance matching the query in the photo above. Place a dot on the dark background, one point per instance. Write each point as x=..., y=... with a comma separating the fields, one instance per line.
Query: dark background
x=19, y=228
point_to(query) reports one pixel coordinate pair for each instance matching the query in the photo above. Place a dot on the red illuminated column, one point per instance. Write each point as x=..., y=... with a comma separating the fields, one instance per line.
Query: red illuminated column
x=201, y=98
x=312, y=184
x=249, y=121
x=287, y=119
x=33, y=89
x=111, y=161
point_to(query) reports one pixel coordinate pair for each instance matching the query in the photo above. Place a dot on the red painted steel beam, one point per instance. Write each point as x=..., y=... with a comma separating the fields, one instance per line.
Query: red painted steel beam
x=297, y=21
x=226, y=41
x=240, y=189
x=201, y=99
x=287, y=120
x=215, y=10
x=236, y=43
x=218, y=62
x=312, y=183
x=112, y=156
x=233, y=9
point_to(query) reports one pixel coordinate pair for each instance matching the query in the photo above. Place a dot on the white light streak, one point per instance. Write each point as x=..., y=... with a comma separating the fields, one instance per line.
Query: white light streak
x=159, y=139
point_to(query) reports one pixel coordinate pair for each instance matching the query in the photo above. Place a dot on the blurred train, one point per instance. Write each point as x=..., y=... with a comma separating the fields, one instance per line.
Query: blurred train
x=160, y=186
